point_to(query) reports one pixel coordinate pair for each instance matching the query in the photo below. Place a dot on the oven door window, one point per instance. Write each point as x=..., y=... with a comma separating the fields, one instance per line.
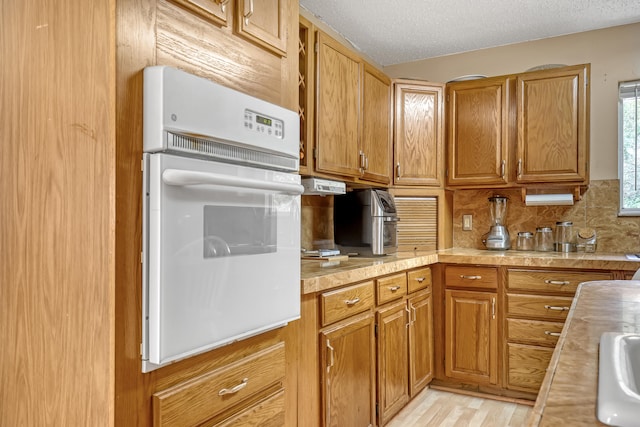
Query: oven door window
x=239, y=230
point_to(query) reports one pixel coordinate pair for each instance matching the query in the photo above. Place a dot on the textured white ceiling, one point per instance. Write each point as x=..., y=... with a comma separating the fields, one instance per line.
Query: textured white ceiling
x=397, y=31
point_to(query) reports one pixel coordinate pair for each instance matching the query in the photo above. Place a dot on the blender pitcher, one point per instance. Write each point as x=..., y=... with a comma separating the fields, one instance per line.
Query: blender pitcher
x=498, y=236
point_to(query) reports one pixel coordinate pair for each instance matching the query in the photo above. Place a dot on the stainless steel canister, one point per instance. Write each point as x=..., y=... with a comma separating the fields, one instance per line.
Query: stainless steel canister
x=565, y=240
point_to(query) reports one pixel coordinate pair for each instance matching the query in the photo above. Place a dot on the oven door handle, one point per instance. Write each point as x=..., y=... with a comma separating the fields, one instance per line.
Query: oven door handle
x=183, y=178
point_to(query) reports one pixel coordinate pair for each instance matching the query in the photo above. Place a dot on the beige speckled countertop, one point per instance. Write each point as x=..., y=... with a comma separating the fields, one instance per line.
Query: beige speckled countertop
x=568, y=395
x=317, y=275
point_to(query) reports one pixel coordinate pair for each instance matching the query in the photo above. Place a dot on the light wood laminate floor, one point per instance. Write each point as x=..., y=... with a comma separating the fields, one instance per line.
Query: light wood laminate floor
x=434, y=408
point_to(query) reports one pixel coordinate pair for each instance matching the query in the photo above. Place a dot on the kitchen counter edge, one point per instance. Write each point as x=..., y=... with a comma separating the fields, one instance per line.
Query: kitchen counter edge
x=322, y=275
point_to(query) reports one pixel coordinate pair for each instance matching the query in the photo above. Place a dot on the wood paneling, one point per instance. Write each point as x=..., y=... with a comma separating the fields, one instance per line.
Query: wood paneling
x=57, y=217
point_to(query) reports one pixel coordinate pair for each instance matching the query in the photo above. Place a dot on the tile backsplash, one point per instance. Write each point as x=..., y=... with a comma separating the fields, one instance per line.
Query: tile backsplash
x=598, y=209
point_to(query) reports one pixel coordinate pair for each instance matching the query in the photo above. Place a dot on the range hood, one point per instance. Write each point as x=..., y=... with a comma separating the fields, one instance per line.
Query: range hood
x=322, y=187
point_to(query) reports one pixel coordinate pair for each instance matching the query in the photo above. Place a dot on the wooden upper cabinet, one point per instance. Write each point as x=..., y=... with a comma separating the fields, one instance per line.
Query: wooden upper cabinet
x=264, y=22
x=418, y=133
x=375, y=140
x=215, y=11
x=478, y=131
x=553, y=125
x=337, y=108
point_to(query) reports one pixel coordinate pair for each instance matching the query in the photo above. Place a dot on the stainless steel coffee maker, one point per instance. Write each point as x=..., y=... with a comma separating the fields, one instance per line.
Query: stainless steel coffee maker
x=498, y=237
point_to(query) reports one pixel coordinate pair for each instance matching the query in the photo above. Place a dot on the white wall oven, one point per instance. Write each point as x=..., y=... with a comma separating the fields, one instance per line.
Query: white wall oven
x=221, y=216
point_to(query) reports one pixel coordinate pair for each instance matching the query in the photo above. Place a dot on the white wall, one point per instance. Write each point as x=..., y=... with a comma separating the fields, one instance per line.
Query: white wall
x=614, y=54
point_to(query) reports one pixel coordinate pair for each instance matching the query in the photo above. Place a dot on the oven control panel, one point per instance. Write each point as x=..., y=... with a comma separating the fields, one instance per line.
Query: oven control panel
x=263, y=124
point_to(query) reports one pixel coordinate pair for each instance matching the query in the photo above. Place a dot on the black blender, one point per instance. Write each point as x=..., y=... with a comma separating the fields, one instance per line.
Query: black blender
x=498, y=237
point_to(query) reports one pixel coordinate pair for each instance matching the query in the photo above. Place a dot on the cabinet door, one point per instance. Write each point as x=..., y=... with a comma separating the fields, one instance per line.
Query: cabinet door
x=264, y=22
x=420, y=341
x=471, y=336
x=478, y=132
x=553, y=125
x=375, y=140
x=393, y=387
x=337, y=103
x=215, y=11
x=348, y=373
x=418, y=134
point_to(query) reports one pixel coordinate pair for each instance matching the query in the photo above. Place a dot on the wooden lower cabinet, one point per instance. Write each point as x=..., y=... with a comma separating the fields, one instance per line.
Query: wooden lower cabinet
x=365, y=350
x=421, y=341
x=471, y=336
x=405, y=345
x=348, y=376
x=537, y=304
x=393, y=356
x=527, y=365
x=250, y=388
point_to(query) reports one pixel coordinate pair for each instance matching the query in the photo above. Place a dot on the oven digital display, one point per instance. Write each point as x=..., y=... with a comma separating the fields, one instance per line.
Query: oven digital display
x=263, y=120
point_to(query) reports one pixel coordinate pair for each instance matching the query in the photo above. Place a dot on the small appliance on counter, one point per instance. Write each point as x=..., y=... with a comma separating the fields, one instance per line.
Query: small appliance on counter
x=498, y=237
x=365, y=222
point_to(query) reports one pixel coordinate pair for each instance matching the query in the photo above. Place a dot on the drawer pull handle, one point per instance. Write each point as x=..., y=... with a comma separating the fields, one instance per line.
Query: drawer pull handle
x=408, y=317
x=463, y=276
x=557, y=282
x=331, y=355
x=420, y=279
x=553, y=334
x=234, y=389
x=394, y=288
x=493, y=308
x=556, y=308
x=249, y=13
x=353, y=301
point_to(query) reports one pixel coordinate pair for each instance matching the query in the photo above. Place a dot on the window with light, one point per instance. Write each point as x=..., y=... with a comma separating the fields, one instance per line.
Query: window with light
x=628, y=147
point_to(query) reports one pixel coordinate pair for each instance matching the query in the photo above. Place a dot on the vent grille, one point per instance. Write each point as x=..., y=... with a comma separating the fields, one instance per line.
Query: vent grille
x=229, y=153
x=418, y=223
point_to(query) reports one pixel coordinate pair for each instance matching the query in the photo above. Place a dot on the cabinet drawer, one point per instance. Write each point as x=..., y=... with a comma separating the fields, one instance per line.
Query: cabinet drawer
x=471, y=277
x=391, y=287
x=342, y=303
x=551, y=281
x=527, y=366
x=202, y=398
x=418, y=279
x=267, y=413
x=544, y=306
x=534, y=331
